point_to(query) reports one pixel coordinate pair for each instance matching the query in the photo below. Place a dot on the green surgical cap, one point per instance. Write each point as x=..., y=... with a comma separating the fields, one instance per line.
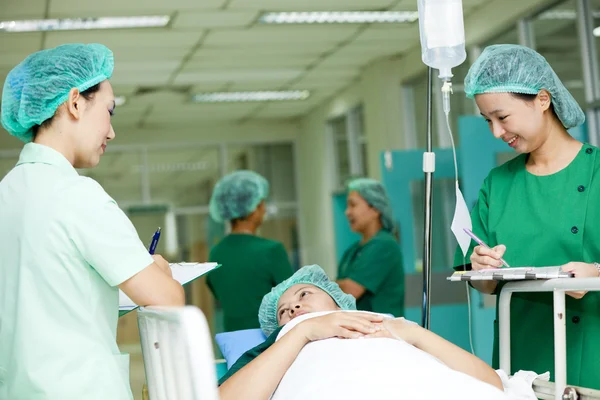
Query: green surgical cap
x=237, y=195
x=507, y=68
x=375, y=195
x=35, y=88
x=312, y=275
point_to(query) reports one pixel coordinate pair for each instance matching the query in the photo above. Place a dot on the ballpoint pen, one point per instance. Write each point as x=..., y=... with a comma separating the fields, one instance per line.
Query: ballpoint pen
x=481, y=243
x=154, y=242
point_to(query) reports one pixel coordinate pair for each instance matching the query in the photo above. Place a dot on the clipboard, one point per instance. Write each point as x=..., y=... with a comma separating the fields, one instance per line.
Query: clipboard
x=183, y=273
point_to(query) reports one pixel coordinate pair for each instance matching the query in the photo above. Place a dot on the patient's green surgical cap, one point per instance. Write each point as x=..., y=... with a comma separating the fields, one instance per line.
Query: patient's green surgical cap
x=310, y=274
x=507, y=68
x=237, y=195
x=375, y=195
x=35, y=88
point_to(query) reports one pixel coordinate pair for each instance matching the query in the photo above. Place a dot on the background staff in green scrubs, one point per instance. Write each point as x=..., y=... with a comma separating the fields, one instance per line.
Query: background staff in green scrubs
x=66, y=246
x=251, y=265
x=539, y=209
x=371, y=269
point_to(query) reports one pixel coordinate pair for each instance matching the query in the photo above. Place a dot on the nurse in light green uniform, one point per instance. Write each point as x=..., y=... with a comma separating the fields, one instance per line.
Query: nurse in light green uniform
x=371, y=269
x=65, y=245
x=539, y=209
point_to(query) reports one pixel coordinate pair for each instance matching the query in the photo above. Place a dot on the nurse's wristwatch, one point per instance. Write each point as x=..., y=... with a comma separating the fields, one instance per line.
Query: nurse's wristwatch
x=597, y=265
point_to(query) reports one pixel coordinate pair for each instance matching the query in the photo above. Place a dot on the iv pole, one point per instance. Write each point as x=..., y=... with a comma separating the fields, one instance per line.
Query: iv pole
x=428, y=169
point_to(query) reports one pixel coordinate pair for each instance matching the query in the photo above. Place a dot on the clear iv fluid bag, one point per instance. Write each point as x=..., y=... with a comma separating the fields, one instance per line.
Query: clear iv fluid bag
x=442, y=35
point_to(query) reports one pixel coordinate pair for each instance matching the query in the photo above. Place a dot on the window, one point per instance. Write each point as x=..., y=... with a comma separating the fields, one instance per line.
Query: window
x=349, y=145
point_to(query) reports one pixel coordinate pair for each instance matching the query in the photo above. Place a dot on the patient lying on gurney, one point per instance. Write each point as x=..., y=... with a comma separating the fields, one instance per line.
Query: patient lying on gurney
x=308, y=354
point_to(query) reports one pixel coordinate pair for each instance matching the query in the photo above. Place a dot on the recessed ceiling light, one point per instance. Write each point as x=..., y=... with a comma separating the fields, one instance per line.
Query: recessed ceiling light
x=339, y=17
x=564, y=14
x=120, y=100
x=231, y=97
x=70, y=24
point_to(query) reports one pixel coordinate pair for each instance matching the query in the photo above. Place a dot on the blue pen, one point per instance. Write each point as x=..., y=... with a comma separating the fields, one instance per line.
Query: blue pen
x=154, y=242
x=481, y=243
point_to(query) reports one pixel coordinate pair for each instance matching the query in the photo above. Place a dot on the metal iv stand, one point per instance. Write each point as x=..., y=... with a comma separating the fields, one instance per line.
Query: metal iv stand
x=428, y=169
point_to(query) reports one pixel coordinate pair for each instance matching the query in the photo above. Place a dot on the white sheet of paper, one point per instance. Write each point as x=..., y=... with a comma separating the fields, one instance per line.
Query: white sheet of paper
x=461, y=220
x=182, y=273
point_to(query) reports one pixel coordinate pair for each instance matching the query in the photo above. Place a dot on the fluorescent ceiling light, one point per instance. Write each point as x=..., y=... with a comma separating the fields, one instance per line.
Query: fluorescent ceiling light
x=69, y=24
x=339, y=17
x=120, y=100
x=596, y=31
x=174, y=167
x=564, y=14
x=230, y=97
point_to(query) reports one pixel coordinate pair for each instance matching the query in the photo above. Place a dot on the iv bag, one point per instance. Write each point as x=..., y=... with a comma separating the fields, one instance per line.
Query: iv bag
x=442, y=34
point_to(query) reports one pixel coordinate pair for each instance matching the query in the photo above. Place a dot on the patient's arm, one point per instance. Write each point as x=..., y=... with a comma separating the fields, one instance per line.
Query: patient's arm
x=448, y=353
x=259, y=378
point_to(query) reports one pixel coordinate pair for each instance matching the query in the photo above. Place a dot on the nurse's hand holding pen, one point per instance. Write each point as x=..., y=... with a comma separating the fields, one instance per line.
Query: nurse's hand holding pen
x=158, y=259
x=484, y=258
x=163, y=264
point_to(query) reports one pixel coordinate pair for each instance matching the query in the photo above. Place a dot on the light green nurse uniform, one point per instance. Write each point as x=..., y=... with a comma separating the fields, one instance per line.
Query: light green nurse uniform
x=64, y=247
x=546, y=221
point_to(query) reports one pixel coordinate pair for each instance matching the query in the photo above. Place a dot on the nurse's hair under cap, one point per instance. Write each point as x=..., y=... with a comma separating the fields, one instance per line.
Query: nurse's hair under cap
x=35, y=88
x=508, y=68
x=237, y=195
x=312, y=275
x=376, y=196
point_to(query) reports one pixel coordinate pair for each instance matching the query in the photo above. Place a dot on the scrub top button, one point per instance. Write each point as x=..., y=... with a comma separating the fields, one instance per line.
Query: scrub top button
x=581, y=188
x=589, y=151
x=574, y=229
x=576, y=319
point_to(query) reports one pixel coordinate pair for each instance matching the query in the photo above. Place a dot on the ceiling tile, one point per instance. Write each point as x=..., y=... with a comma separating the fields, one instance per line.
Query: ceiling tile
x=121, y=7
x=234, y=75
x=251, y=62
x=144, y=78
x=20, y=42
x=126, y=38
x=288, y=35
x=149, y=54
x=18, y=9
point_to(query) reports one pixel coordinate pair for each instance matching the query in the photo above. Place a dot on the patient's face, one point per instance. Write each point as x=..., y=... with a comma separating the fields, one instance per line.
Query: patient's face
x=303, y=299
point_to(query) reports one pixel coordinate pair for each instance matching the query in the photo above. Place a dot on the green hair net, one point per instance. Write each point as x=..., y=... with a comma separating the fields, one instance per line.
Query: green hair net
x=237, y=195
x=310, y=274
x=35, y=88
x=375, y=195
x=507, y=68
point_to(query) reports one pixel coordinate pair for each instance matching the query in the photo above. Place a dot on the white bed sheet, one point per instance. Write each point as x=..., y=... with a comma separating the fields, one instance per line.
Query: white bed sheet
x=374, y=369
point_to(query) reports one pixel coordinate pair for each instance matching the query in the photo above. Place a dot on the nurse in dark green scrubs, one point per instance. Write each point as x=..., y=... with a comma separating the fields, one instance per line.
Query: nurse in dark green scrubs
x=540, y=209
x=371, y=269
x=251, y=265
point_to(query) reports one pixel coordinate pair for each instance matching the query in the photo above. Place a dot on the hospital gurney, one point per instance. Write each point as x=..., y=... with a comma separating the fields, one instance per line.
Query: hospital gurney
x=178, y=354
x=547, y=390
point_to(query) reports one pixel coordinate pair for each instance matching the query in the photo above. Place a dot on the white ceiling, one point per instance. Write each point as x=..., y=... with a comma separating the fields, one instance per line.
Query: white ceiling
x=212, y=45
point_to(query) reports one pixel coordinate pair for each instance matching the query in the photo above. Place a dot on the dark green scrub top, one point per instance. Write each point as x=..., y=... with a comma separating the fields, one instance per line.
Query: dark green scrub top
x=377, y=266
x=250, y=267
x=546, y=221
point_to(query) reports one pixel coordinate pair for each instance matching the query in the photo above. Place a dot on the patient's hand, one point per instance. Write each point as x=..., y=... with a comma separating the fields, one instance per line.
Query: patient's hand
x=397, y=328
x=341, y=325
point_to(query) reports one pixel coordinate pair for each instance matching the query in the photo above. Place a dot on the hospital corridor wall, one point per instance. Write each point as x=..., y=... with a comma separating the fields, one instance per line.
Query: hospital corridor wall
x=401, y=173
